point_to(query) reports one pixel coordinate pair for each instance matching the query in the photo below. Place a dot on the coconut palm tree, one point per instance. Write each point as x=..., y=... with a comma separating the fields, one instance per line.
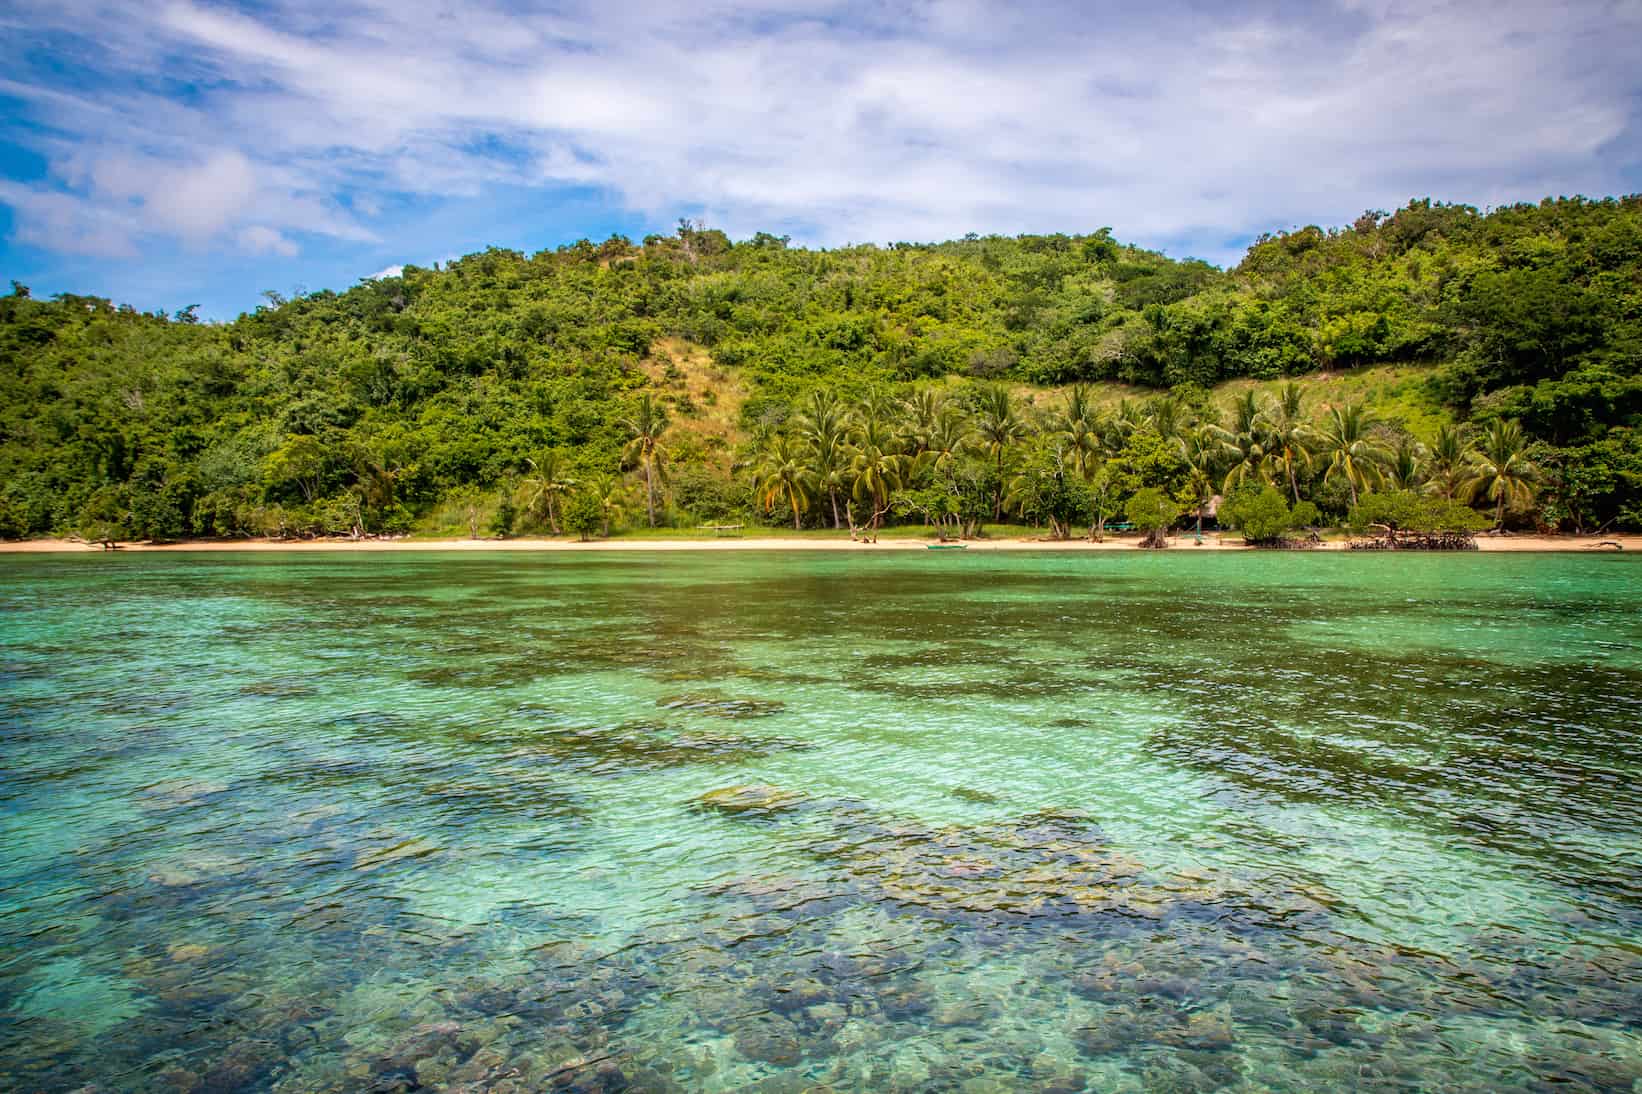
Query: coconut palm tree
x=1247, y=416
x=875, y=469
x=1079, y=424
x=1130, y=416
x=1350, y=447
x=611, y=494
x=999, y=426
x=1405, y=465
x=821, y=424
x=1502, y=472
x=646, y=426
x=946, y=444
x=879, y=406
x=1290, y=436
x=1171, y=417
x=923, y=410
x=1246, y=459
x=548, y=485
x=1449, y=460
x=784, y=476
x=1205, y=449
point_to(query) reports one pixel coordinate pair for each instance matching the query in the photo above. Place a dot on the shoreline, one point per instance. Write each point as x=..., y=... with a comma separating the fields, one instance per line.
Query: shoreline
x=1211, y=542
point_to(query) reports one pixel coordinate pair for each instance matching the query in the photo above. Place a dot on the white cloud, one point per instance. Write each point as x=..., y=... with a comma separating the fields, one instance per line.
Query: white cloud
x=386, y=271
x=260, y=239
x=832, y=121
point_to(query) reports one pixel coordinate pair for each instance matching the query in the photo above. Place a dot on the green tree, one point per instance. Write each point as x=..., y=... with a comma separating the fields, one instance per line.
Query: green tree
x=611, y=494
x=876, y=469
x=1291, y=439
x=583, y=514
x=548, y=484
x=1427, y=516
x=822, y=425
x=1502, y=472
x=106, y=516
x=1263, y=515
x=785, y=478
x=1352, y=452
x=1406, y=465
x=502, y=520
x=998, y=427
x=1152, y=511
x=646, y=426
x=1448, y=461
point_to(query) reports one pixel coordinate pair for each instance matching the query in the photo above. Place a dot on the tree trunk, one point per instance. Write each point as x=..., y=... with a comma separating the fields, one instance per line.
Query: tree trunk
x=1294, y=486
x=997, y=493
x=833, y=495
x=650, y=492
x=552, y=515
x=1499, y=513
x=795, y=525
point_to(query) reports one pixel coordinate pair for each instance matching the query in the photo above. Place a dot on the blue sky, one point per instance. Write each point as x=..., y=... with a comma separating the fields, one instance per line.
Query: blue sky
x=178, y=152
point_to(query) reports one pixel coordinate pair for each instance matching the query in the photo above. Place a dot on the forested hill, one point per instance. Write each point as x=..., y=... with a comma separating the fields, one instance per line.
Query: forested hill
x=679, y=374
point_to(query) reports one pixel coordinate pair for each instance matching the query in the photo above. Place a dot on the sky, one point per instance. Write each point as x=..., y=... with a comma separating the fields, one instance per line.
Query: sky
x=177, y=152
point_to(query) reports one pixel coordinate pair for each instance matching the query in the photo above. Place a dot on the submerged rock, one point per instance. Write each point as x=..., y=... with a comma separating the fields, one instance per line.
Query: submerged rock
x=773, y=1039
x=177, y=794
x=722, y=706
x=757, y=799
x=646, y=746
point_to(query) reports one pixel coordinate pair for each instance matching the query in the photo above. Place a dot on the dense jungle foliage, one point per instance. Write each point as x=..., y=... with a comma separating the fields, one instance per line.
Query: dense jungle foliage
x=691, y=379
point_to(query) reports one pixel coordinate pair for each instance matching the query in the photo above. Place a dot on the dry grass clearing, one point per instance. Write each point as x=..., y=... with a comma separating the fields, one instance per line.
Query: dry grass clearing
x=703, y=400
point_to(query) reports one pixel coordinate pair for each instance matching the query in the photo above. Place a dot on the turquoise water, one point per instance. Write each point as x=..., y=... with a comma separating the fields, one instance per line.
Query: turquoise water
x=1037, y=821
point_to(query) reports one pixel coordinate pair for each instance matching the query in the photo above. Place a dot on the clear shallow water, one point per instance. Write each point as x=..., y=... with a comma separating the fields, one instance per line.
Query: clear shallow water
x=1114, y=822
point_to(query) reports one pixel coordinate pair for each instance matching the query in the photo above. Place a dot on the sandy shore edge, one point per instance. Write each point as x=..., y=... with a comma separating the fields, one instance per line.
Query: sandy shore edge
x=1211, y=542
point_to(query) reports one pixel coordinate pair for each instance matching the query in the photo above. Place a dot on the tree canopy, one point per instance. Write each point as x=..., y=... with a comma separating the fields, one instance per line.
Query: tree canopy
x=687, y=361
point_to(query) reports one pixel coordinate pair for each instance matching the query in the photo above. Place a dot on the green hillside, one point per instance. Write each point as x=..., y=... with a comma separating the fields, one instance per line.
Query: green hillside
x=705, y=380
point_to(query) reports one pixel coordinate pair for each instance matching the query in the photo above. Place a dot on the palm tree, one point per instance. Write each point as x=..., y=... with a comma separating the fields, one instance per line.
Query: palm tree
x=1449, y=460
x=1171, y=417
x=645, y=426
x=1246, y=454
x=923, y=411
x=1204, y=451
x=1289, y=434
x=549, y=485
x=1502, y=473
x=999, y=425
x=1405, y=467
x=946, y=443
x=875, y=469
x=1350, y=448
x=1079, y=422
x=1130, y=416
x=611, y=494
x=784, y=475
x=1246, y=413
x=878, y=406
x=821, y=424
